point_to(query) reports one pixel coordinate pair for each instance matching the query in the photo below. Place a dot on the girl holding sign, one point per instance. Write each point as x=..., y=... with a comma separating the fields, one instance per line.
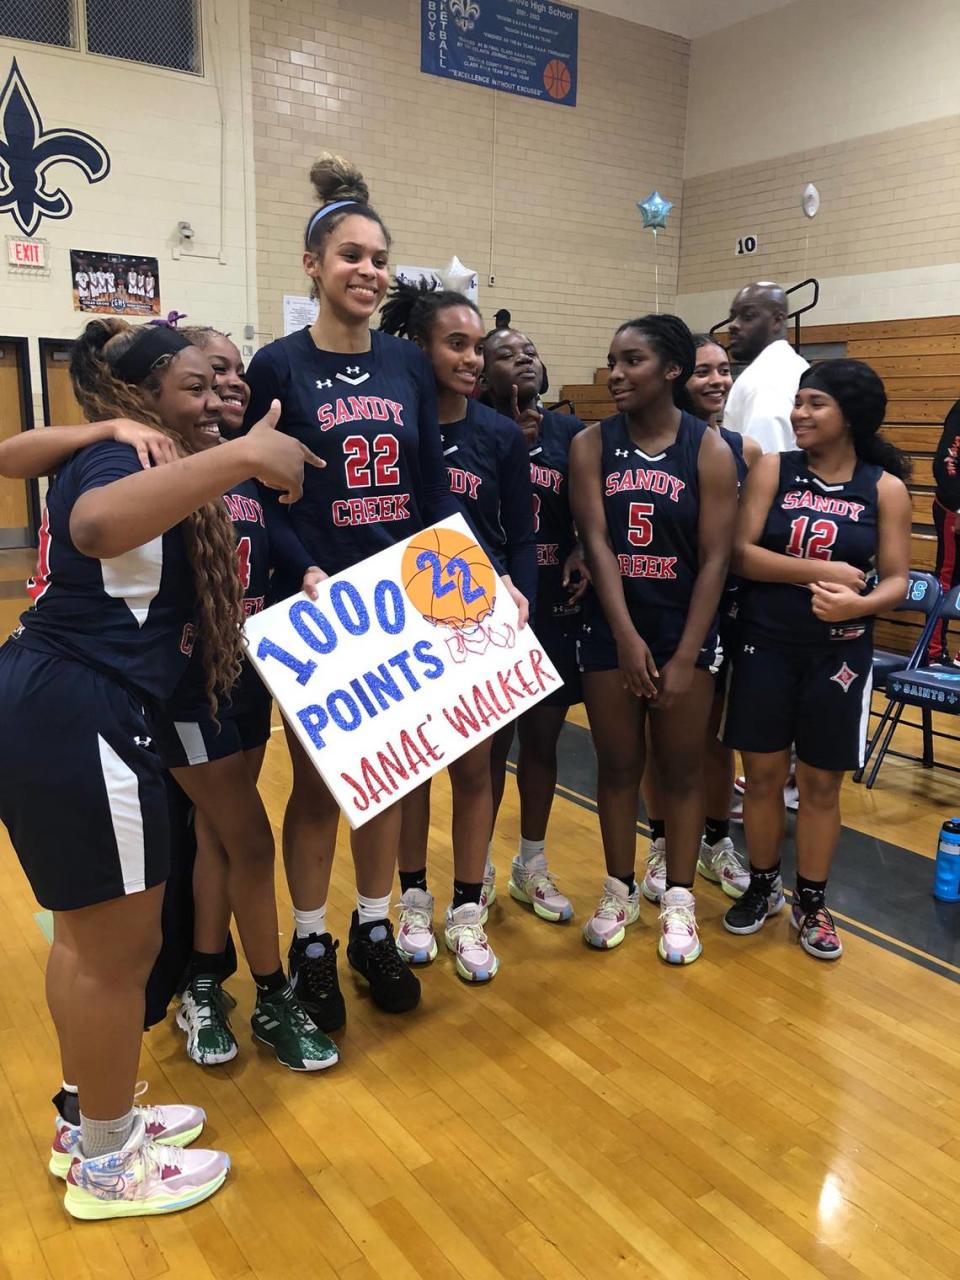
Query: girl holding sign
x=654, y=494
x=133, y=566
x=489, y=475
x=365, y=403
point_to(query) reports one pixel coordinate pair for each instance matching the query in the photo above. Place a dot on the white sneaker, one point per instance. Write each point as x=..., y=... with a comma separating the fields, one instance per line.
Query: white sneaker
x=654, y=882
x=532, y=883
x=415, y=939
x=142, y=1178
x=173, y=1125
x=679, y=941
x=465, y=937
x=617, y=908
x=721, y=864
x=791, y=794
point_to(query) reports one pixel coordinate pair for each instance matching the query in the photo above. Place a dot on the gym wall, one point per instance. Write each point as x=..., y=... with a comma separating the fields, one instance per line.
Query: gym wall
x=180, y=148
x=541, y=196
x=860, y=97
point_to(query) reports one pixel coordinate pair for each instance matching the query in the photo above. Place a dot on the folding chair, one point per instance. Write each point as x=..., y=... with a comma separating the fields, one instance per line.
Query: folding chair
x=931, y=688
x=923, y=596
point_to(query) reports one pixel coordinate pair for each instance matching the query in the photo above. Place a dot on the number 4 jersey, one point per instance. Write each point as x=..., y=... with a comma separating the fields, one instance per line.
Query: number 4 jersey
x=813, y=520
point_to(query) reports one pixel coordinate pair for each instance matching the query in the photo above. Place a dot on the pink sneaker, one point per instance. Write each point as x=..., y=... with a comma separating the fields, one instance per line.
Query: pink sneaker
x=174, y=1125
x=142, y=1178
x=530, y=882
x=679, y=943
x=465, y=937
x=721, y=864
x=654, y=881
x=415, y=940
x=617, y=908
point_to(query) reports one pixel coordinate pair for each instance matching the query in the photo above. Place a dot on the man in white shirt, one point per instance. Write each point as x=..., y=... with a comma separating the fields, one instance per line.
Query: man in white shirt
x=762, y=397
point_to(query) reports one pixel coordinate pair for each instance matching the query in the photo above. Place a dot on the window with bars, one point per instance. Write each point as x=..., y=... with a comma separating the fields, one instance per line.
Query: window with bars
x=42, y=21
x=160, y=33
x=163, y=33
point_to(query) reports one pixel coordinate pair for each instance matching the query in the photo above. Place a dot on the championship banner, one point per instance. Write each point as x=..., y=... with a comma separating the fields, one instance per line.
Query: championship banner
x=404, y=663
x=115, y=284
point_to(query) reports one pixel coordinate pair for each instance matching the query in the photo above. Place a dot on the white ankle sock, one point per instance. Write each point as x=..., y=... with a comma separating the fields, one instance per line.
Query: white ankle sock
x=370, y=909
x=530, y=849
x=308, y=922
x=100, y=1137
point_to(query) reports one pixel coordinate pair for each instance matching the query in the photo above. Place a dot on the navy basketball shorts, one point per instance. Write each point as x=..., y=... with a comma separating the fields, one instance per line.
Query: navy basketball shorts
x=817, y=697
x=81, y=787
x=558, y=636
x=190, y=736
x=662, y=631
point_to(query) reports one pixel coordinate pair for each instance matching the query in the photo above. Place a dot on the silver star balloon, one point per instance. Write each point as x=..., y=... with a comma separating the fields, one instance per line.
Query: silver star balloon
x=654, y=211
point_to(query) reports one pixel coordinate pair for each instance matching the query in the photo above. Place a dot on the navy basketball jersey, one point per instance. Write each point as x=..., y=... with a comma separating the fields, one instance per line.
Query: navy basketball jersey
x=486, y=459
x=733, y=591
x=652, y=505
x=813, y=520
x=553, y=521
x=131, y=616
x=372, y=417
x=246, y=510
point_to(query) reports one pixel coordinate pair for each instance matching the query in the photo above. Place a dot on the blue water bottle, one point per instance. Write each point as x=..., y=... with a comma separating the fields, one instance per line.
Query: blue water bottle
x=946, y=876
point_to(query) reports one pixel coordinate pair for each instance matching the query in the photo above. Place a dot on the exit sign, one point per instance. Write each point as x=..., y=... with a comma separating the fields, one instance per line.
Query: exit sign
x=26, y=253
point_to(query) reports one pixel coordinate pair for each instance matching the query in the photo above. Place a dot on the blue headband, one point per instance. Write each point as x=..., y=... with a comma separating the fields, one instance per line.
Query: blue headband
x=322, y=213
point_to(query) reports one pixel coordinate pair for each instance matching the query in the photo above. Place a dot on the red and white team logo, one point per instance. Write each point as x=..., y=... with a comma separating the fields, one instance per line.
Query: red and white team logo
x=845, y=677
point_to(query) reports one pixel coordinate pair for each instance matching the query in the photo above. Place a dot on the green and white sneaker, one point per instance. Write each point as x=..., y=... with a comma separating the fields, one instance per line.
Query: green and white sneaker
x=281, y=1021
x=203, y=1016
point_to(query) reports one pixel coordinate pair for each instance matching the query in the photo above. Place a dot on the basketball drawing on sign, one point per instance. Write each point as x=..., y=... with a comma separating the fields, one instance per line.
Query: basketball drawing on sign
x=451, y=584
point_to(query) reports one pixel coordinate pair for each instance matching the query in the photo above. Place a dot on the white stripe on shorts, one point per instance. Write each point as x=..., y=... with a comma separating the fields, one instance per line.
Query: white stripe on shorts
x=123, y=796
x=191, y=739
x=865, y=716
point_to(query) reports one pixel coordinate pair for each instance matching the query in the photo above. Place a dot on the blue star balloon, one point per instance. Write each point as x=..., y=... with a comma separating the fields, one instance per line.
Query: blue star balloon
x=654, y=210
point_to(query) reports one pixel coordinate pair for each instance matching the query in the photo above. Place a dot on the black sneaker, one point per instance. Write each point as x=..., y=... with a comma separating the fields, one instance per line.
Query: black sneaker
x=372, y=951
x=312, y=968
x=749, y=913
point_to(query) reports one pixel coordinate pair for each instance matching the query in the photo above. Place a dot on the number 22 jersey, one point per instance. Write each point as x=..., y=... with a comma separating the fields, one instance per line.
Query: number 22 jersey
x=813, y=520
x=372, y=417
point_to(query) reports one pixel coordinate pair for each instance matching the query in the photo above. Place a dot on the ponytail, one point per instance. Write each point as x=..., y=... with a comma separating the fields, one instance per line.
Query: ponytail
x=411, y=310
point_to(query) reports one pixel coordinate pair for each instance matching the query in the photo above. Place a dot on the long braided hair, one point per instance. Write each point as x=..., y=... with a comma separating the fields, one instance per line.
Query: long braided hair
x=674, y=344
x=208, y=531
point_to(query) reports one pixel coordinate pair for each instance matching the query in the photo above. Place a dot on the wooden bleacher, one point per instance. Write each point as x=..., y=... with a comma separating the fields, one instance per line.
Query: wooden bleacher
x=919, y=361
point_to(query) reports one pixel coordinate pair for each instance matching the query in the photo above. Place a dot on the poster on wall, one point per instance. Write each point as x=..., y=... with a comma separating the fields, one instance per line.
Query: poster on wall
x=299, y=312
x=527, y=47
x=115, y=284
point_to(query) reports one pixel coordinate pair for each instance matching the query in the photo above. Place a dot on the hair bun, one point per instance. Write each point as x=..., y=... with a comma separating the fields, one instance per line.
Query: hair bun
x=335, y=178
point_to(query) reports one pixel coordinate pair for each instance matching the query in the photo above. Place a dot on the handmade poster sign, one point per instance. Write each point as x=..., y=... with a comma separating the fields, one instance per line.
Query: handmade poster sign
x=405, y=662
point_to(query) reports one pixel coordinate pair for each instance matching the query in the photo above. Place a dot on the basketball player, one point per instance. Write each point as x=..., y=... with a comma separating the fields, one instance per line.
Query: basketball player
x=513, y=378
x=654, y=495
x=708, y=387
x=486, y=464
x=814, y=525
x=366, y=403
x=132, y=282
x=126, y=556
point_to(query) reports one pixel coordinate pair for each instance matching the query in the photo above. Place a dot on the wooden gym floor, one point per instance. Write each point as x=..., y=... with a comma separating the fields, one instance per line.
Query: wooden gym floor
x=757, y=1115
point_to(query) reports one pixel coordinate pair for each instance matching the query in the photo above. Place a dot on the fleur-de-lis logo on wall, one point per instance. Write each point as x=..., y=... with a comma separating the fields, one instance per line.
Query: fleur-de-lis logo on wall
x=465, y=13
x=28, y=151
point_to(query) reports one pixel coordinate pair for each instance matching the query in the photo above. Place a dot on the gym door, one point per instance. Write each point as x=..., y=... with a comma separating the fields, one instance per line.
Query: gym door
x=16, y=415
x=60, y=408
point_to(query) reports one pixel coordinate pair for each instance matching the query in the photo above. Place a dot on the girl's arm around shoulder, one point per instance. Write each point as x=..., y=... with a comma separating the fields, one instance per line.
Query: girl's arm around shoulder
x=112, y=517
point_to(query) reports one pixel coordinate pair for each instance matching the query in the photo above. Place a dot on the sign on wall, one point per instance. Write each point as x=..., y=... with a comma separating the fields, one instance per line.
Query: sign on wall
x=747, y=244
x=299, y=312
x=527, y=47
x=28, y=255
x=115, y=284
x=404, y=663
x=29, y=191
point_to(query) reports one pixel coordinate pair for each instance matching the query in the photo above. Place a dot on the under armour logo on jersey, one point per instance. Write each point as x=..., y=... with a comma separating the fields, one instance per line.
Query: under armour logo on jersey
x=749, y=648
x=844, y=677
x=621, y=453
x=353, y=369
x=354, y=382
x=324, y=382
x=143, y=742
